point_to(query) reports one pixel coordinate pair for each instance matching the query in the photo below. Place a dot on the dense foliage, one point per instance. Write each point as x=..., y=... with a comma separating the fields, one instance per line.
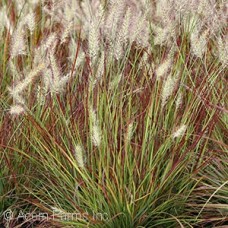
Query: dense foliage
x=113, y=113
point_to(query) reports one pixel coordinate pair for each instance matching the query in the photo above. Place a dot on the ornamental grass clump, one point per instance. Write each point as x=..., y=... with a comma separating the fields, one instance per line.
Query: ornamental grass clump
x=113, y=113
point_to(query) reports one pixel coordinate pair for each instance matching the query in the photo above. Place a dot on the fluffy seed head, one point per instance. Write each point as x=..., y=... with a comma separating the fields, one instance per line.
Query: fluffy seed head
x=168, y=88
x=100, y=69
x=24, y=83
x=40, y=94
x=66, y=32
x=58, y=86
x=130, y=132
x=198, y=43
x=223, y=51
x=163, y=68
x=54, y=67
x=179, y=100
x=30, y=21
x=49, y=42
x=5, y=22
x=93, y=40
x=18, y=46
x=16, y=110
x=79, y=156
x=180, y=131
x=96, y=133
x=123, y=36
